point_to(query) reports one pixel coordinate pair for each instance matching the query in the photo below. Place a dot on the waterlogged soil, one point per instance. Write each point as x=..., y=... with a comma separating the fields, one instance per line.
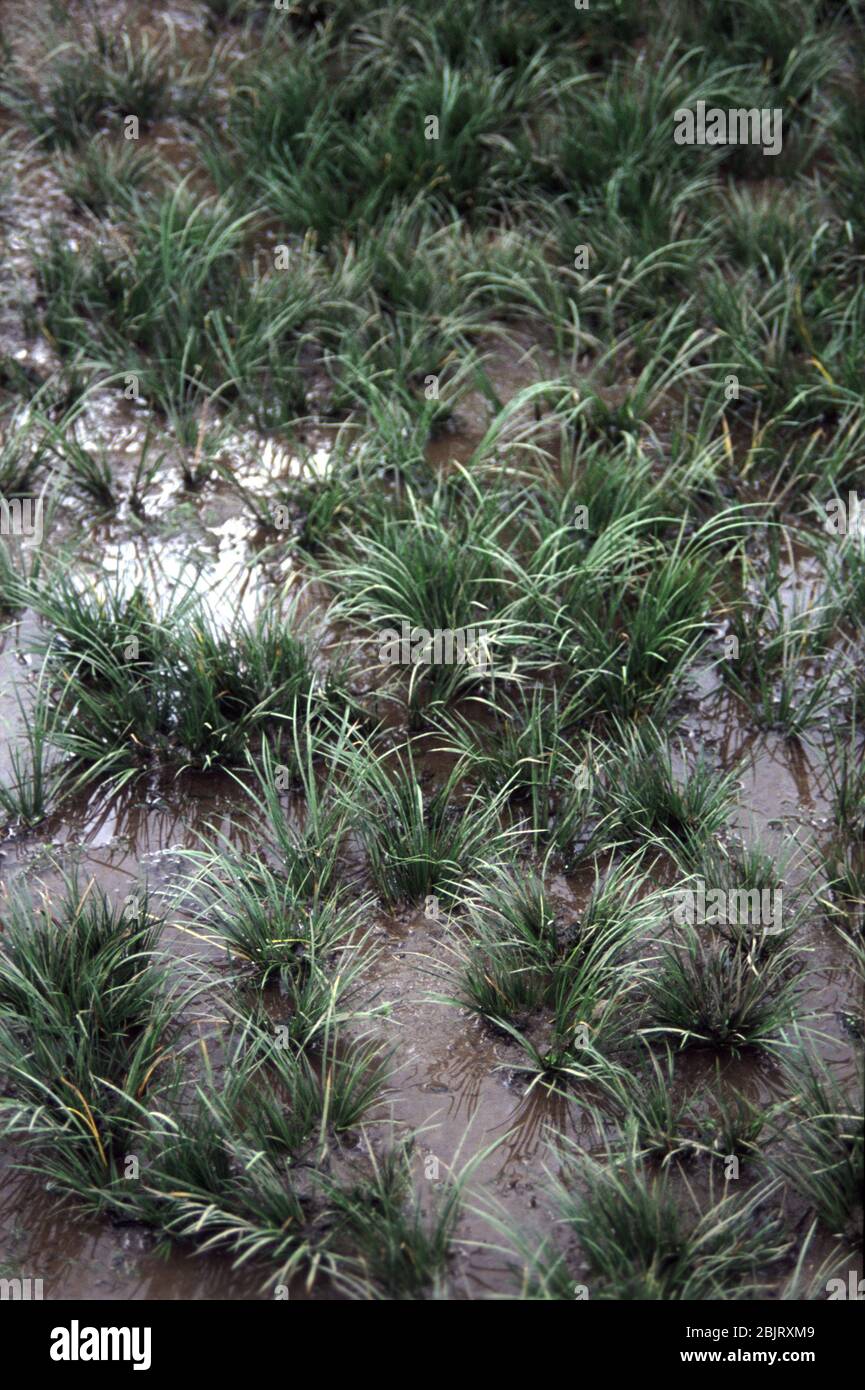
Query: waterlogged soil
x=455, y=1080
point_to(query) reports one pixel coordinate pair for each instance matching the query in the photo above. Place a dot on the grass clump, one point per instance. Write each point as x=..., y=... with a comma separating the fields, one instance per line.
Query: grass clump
x=142, y=682
x=648, y=802
x=86, y=1023
x=640, y=1242
x=417, y=846
x=566, y=994
x=399, y=1246
x=821, y=1156
x=708, y=993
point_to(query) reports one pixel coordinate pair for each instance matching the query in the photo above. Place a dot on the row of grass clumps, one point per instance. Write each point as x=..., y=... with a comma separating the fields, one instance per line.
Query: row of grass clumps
x=580, y=1000
x=234, y=1140
x=626, y=525
x=576, y=781
x=581, y=638
x=91, y=1097
x=126, y=683
x=345, y=257
x=246, y=1140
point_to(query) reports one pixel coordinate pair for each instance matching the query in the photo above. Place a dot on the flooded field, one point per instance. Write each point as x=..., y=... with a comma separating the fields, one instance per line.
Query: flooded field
x=430, y=576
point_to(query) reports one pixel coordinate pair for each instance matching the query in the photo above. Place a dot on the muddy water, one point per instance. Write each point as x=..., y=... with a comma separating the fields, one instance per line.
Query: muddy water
x=454, y=1079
